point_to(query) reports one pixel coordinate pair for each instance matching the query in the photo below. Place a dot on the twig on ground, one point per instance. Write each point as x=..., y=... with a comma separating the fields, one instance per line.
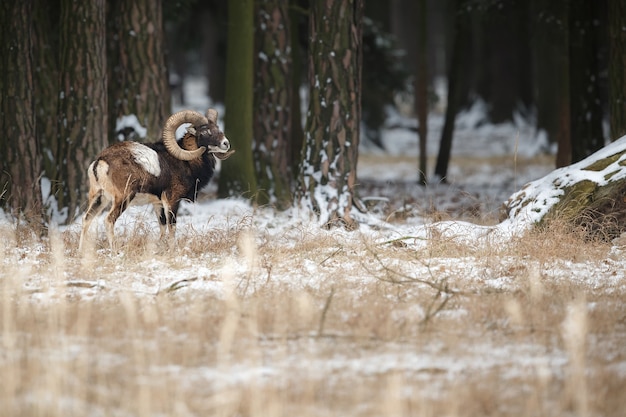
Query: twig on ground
x=181, y=283
x=320, y=329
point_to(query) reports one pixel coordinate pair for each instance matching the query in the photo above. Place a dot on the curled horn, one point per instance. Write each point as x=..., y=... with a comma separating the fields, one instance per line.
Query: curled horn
x=169, y=134
x=211, y=115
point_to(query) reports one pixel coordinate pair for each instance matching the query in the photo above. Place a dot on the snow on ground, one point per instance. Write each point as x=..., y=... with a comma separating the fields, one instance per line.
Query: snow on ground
x=489, y=163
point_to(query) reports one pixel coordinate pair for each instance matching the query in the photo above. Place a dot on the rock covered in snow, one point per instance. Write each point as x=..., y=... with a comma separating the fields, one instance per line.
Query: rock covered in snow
x=590, y=193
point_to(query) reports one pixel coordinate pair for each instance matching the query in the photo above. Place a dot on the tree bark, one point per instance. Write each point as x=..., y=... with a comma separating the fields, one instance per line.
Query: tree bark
x=20, y=157
x=585, y=99
x=138, y=76
x=46, y=79
x=82, y=116
x=506, y=86
x=421, y=89
x=617, y=68
x=214, y=34
x=272, y=98
x=237, y=176
x=550, y=68
x=328, y=175
x=456, y=77
x=296, y=16
x=402, y=27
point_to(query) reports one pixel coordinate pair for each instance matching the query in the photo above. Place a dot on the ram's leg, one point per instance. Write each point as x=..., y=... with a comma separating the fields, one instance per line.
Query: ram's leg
x=173, y=214
x=94, y=208
x=161, y=217
x=168, y=217
x=117, y=208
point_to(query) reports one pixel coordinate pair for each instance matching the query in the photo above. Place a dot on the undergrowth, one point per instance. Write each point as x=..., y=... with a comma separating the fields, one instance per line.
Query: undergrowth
x=239, y=321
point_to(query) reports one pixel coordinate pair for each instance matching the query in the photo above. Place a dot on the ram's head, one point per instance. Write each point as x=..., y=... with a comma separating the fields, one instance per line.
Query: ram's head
x=211, y=137
x=204, y=128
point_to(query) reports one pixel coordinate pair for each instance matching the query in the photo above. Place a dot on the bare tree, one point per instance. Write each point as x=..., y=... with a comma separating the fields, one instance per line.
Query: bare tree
x=585, y=91
x=138, y=78
x=237, y=177
x=82, y=114
x=20, y=157
x=459, y=44
x=327, y=178
x=617, y=65
x=46, y=81
x=421, y=88
x=273, y=102
x=550, y=73
x=297, y=18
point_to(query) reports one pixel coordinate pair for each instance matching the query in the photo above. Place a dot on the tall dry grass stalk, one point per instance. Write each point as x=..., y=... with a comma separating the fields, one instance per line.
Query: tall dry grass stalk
x=575, y=334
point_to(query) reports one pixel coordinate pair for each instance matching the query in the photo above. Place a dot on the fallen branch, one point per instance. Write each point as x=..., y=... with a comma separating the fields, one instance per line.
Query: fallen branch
x=181, y=283
x=85, y=284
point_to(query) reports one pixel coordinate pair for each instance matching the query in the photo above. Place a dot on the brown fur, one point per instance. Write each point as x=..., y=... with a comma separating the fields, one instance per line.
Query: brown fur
x=126, y=169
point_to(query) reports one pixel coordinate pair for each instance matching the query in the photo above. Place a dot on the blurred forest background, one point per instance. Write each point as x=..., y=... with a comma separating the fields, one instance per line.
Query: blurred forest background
x=73, y=72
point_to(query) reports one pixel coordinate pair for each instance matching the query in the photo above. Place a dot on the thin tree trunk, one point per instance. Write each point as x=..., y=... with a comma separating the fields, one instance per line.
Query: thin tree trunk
x=421, y=89
x=455, y=74
x=550, y=72
x=214, y=34
x=507, y=73
x=550, y=46
x=138, y=76
x=563, y=93
x=297, y=131
x=237, y=176
x=46, y=78
x=617, y=68
x=82, y=117
x=272, y=97
x=328, y=175
x=402, y=26
x=585, y=104
x=20, y=156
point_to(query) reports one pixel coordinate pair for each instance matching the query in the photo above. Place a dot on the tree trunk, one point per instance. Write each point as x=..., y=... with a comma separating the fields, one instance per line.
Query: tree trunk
x=585, y=104
x=328, y=175
x=214, y=33
x=46, y=54
x=20, y=157
x=298, y=64
x=82, y=117
x=402, y=27
x=138, y=76
x=617, y=68
x=588, y=195
x=379, y=11
x=507, y=66
x=421, y=89
x=456, y=75
x=272, y=98
x=237, y=176
x=549, y=37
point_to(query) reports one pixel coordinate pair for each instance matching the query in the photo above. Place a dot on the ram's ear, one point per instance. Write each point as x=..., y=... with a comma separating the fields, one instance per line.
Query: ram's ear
x=211, y=115
x=224, y=156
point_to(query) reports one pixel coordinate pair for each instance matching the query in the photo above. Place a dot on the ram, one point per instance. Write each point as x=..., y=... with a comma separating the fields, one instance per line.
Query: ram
x=166, y=172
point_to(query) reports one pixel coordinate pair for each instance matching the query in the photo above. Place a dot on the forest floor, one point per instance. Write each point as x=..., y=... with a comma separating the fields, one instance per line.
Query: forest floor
x=254, y=312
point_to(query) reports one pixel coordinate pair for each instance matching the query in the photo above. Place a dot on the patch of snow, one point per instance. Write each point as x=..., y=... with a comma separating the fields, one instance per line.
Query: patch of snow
x=130, y=121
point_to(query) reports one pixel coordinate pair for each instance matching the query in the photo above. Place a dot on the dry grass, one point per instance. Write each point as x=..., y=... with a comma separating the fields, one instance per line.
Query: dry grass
x=475, y=190
x=233, y=323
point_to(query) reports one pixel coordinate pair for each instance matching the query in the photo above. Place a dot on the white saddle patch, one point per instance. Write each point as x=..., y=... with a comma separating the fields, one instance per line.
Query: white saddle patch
x=146, y=157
